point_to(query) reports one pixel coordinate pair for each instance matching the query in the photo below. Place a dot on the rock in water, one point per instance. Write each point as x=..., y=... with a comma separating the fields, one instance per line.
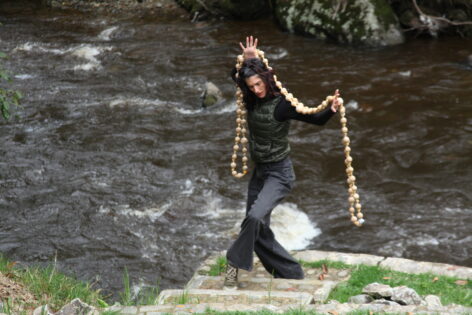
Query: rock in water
x=406, y=296
x=370, y=22
x=211, y=95
x=378, y=290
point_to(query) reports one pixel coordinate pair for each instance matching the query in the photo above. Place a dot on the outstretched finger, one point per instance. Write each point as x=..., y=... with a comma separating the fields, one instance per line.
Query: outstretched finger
x=255, y=43
x=247, y=41
x=251, y=40
x=241, y=45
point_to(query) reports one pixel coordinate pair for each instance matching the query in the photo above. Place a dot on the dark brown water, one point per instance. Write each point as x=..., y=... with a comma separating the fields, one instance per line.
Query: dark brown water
x=112, y=163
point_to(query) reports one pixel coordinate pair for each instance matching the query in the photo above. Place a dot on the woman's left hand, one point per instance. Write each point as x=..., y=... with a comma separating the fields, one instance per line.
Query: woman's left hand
x=336, y=103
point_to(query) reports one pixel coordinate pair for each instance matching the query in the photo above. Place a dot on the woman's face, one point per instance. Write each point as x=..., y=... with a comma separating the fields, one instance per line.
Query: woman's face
x=256, y=85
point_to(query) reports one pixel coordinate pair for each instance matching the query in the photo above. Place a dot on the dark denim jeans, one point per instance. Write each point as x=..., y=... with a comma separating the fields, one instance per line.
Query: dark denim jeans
x=269, y=184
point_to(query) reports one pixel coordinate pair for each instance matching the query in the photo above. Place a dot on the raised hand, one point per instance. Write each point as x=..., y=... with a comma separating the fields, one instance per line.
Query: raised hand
x=250, y=51
x=336, y=103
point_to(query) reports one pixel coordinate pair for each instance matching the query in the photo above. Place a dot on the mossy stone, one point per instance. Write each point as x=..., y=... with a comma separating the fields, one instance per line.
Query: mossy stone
x=370, y=22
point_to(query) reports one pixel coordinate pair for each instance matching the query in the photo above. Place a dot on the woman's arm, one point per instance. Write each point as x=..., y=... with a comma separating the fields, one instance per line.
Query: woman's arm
x=284, y=111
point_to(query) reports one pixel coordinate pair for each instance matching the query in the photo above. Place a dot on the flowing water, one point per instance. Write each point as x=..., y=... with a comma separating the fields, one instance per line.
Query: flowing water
x=112, y=162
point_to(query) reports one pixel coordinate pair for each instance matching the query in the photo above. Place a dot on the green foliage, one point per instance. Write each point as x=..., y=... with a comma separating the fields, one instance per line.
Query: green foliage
x=423, y=284
x=147, y=296
x=126, y=298
x=49, y=286
x=219, y=267
x=8, y=98
x=328, y=263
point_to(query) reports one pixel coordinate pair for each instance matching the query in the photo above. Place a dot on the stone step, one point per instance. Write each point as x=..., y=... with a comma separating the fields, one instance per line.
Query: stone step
x=197, y=296
x=318, y=289
x=331, y=308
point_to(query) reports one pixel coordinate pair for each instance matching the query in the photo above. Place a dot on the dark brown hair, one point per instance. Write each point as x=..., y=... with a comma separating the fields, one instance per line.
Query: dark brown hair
x=250, y=67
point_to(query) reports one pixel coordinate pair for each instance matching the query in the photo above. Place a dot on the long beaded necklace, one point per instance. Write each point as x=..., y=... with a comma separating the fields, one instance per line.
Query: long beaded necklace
x=240, y=141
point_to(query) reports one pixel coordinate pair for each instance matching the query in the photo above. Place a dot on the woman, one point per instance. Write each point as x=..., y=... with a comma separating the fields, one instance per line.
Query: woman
x=268, y=117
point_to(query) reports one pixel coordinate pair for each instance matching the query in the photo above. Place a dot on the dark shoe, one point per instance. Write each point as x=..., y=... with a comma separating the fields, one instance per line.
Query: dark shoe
x=231, y=278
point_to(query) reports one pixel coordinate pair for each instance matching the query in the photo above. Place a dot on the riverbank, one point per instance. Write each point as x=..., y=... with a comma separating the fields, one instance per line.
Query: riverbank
x=331, y=280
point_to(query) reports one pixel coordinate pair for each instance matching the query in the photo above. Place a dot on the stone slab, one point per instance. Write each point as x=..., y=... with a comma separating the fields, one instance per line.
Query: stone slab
x=417, y=267
x=230, y=297
x=347, y=258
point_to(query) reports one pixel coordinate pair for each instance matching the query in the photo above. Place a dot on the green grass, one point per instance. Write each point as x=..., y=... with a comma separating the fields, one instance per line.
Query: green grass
x=146, y=296
x=361, y=275
x=219, y=267
x=49, y=286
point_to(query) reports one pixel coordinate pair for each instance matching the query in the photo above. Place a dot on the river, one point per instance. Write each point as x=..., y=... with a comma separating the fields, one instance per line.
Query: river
x=112, y=163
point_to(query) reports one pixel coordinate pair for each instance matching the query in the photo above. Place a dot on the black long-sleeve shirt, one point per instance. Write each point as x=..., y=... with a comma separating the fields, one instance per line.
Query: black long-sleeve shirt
x=284, y=111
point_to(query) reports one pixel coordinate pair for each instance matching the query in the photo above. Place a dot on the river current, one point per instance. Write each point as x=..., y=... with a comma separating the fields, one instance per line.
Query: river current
x=112, y=163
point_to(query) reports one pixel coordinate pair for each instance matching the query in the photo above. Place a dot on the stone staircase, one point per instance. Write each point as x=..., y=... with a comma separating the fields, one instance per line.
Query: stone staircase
x=258, y=290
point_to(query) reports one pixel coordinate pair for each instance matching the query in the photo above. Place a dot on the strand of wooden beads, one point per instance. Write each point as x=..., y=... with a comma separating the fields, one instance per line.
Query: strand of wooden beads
x=241, y=129
x=240, y=141
x=354, y=203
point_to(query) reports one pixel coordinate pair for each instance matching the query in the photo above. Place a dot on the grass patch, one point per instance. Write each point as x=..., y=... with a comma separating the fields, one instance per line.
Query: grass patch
x=146, y=296
x=49, y=286
x=328, y=263
x=219, y=267
x=424, y=284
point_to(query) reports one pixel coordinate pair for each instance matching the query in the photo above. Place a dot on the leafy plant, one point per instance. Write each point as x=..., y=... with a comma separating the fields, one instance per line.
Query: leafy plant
x=126, y=298
x=219, y=267
x=8, y=98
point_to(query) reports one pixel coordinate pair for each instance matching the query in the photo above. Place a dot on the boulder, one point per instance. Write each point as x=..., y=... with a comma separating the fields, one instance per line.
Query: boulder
x=433, y=301
x=406, y=296
x=378, y=290
x=385, y=302
x=361, y=299
x=211, y=95
x=238, y=9
x=77, y=307
x=369, y=22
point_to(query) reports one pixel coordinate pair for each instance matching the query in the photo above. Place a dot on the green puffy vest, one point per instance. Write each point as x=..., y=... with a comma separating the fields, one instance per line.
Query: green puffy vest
x=268, y=138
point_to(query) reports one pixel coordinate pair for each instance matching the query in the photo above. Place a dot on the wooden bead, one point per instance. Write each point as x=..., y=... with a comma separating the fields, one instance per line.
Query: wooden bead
x=244, y=140
x=283, y=91
x=351, y=210
x=343, y=120
x=360, y=215
x=353, y=219
x=236, y=147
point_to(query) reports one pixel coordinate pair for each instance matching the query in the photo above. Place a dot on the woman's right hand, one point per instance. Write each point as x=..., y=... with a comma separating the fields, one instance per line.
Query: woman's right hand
x=250, y=51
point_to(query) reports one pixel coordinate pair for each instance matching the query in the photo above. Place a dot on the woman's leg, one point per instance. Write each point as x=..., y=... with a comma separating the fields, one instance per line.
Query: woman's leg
x=256, y=234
